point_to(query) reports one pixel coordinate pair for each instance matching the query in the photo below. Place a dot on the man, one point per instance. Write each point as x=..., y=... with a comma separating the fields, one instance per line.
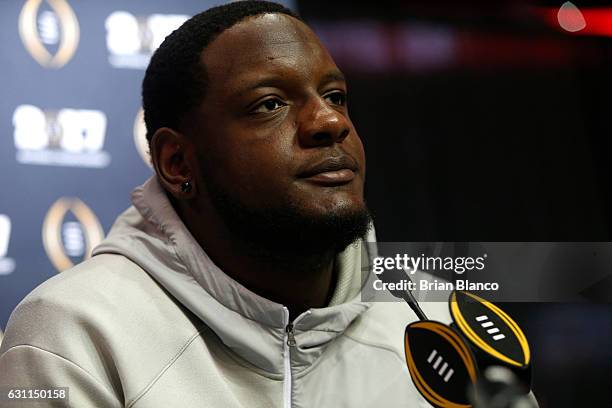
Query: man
x=234, y=279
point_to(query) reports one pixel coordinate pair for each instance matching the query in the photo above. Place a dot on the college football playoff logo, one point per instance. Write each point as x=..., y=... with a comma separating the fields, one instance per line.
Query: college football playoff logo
x=70, y=232
x=60, y=137
x=45, y=28
x=132, y=39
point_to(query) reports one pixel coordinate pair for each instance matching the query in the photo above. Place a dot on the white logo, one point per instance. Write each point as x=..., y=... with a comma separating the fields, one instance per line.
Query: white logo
x=7, y=265
x=436, y=363
x=486, y=323
x=131, y=39
x=65, y=137
x=49, y=28
x=74, y=239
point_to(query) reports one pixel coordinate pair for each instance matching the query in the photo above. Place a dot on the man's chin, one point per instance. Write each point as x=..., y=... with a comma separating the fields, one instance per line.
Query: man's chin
x=335, y=229
x=299, y=232
x=297, y=226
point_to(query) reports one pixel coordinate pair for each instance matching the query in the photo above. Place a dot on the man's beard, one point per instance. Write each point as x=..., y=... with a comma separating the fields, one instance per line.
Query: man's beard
x=287, y=230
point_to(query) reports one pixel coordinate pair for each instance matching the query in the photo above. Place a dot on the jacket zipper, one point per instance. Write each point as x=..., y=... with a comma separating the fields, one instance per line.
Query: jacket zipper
x=288, y=343
x=290, y=336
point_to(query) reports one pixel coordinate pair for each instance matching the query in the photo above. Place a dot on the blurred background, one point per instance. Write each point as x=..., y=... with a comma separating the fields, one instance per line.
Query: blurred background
x=482, y=121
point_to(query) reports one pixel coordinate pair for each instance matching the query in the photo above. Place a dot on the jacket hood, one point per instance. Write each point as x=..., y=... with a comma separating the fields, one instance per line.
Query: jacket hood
x=151, y=234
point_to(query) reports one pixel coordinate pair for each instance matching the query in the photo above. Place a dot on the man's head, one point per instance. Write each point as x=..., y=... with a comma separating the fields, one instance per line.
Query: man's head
x=245, y=103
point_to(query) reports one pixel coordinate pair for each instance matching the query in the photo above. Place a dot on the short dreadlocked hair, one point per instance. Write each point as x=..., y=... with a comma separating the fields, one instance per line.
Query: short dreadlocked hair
x=175, y=80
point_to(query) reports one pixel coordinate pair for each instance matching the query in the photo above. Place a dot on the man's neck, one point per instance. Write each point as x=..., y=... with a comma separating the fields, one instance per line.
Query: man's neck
x=295, y=280
x=299, y=283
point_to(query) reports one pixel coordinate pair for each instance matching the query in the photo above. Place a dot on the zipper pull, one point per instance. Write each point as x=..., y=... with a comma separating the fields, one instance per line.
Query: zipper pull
x=290, y=337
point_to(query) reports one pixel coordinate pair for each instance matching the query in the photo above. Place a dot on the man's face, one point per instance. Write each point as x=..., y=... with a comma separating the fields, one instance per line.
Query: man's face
x=273, y=133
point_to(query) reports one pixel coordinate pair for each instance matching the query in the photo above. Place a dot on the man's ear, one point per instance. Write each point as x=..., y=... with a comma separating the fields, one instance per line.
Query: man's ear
x=172, y=154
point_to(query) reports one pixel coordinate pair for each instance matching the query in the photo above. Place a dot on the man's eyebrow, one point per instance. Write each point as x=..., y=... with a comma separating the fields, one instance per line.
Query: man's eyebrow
x=278, y=81
x=332, y=77
x=263, y=83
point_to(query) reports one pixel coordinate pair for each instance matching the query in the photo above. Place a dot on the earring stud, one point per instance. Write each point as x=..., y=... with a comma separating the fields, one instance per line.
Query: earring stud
x=186, y=187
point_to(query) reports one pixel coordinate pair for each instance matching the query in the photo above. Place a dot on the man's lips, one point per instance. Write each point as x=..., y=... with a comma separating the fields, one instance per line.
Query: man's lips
x=333, y=178
x=332, y=171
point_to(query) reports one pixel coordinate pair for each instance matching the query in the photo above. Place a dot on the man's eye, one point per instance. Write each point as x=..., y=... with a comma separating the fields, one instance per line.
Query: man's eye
x=337, y=98
x=268, y=105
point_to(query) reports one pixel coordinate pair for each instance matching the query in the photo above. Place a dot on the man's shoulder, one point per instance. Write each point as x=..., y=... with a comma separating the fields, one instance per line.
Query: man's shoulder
x=104, y=322
x=102, y=282
x=99, y=272
x=103, y=296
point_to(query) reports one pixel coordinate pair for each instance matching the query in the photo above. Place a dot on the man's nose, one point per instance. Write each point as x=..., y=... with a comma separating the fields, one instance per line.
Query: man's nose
x=320, y=124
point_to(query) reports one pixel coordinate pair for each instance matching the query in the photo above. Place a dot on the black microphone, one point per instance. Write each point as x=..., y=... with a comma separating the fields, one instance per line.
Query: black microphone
x=451, y=366
x=494, y=338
